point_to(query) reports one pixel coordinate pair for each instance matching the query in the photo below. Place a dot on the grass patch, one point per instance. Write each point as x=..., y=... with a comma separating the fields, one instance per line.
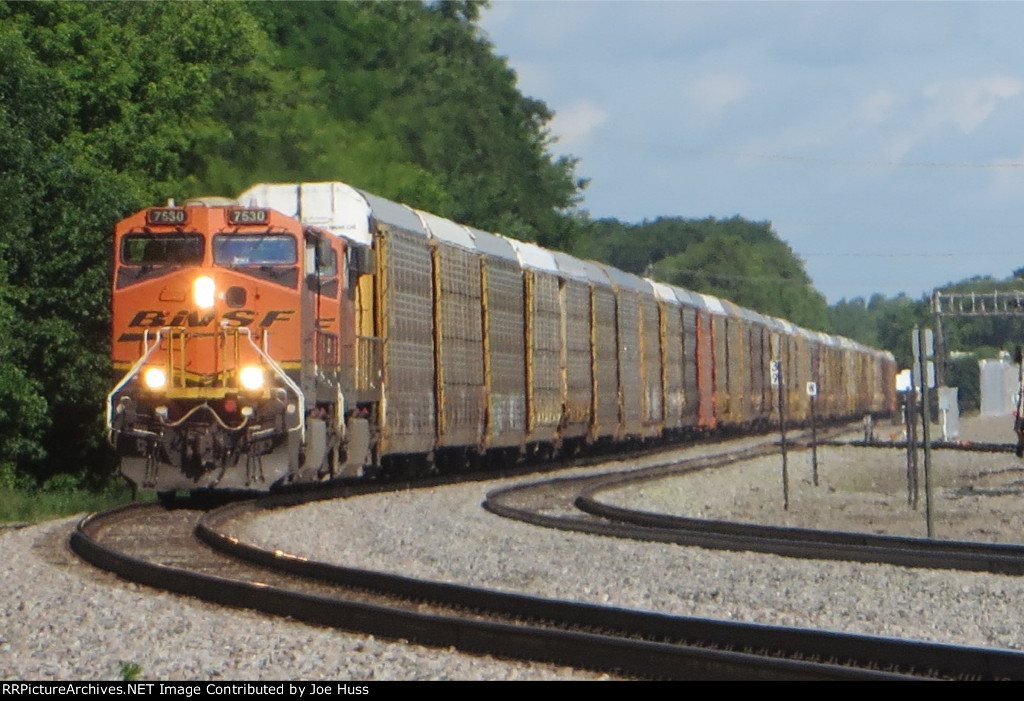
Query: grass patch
x=32, y=505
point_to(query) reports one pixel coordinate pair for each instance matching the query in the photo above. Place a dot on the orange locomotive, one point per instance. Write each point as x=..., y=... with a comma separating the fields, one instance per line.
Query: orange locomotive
x=227, y=330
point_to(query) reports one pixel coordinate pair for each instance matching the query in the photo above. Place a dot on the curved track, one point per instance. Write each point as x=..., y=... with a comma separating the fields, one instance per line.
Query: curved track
x=160, y=547
x=574, y=504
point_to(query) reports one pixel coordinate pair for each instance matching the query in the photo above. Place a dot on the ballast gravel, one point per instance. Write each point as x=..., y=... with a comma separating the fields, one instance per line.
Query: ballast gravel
x=61, y=619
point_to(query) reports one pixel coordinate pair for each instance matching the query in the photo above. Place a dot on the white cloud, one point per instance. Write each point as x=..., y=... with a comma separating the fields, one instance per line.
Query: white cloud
x=878, y=106
x=574, y=124
x=937, y=112
x=713, y=92
x=967, y=103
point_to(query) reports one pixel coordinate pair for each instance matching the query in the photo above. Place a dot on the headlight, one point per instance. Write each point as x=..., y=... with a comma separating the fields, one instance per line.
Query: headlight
x=204, y=292
x=154, y=378
x=251, y=378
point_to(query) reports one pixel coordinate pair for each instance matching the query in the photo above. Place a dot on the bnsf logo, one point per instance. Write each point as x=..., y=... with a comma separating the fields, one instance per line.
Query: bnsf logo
x=153, y=318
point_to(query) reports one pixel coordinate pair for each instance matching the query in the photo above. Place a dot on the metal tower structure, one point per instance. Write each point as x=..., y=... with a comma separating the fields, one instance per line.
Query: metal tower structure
x=956, y=304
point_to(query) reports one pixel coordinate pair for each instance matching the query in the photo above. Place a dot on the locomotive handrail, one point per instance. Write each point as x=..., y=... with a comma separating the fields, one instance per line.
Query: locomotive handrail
x=128, y=377
x=300, y=408
x=278, y=370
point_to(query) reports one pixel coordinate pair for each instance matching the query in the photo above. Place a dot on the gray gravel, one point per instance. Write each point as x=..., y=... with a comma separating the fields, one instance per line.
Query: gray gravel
x=62, y=619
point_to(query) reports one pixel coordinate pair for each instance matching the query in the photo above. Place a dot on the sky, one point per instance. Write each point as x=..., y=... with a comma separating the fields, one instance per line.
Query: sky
x=884, y=141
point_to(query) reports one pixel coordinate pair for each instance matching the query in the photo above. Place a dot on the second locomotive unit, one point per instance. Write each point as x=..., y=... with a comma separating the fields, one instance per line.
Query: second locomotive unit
x=309, y=331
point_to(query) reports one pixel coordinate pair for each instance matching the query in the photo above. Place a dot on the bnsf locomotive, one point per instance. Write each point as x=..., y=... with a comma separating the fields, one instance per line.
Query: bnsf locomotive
x=310, y=331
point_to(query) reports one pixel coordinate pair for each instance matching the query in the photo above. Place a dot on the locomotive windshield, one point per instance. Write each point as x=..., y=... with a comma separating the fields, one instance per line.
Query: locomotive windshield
x=254, y=249
x=162, y=249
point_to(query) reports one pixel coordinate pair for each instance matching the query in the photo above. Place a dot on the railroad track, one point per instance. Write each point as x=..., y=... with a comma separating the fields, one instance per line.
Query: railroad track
x=163, y=548
x=575, y=504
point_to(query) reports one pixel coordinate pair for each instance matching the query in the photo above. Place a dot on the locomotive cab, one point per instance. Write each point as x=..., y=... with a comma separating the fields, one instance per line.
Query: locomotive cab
x=227, y=325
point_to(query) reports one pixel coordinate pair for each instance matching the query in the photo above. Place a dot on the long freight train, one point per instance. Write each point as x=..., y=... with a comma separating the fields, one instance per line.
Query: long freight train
x=310, y=331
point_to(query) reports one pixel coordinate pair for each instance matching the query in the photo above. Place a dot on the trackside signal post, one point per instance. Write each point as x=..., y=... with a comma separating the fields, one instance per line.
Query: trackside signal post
x=812, y=393
x=923, y=370
x=905, y=387
x=776, y=378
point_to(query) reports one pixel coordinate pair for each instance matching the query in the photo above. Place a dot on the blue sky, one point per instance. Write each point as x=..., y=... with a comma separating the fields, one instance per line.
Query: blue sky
x=883, y=140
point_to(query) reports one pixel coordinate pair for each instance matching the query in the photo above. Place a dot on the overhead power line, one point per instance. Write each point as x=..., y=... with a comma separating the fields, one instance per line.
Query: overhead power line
x=816, y=160
x=876, y=254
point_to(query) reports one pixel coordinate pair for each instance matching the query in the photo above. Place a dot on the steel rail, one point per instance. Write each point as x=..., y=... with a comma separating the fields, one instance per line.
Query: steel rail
x=584, y=649
x=842, y=654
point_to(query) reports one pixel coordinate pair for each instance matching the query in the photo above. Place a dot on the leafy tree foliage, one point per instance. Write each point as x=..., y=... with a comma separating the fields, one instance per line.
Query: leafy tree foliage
x=737, y=259
x=106, y=107
x=407, y=100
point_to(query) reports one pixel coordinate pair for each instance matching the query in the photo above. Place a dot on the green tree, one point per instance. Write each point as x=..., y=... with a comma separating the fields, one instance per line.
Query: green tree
x=414, y=105
x=99, y=123
x=106, y=107
x=742, y=261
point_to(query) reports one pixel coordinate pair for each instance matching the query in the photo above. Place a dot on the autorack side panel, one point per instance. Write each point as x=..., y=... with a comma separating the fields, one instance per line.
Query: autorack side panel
x=605, y=344
x=631, y=381
x=720, y=355
x=889, y=367
x=651, y=340
x=820, y=347
x=691, y=306
x=505, y=330
x=773, y=345
x=798, y=406
x=458, y=333
x=758, y=371
x=850, y=376
x=844, y=370
x=408, y=422
x=577, y=352
x=738, y=350
x=543, y=349
x=672, y=355
x=762, y=370
x=883, y=384
x=784, y=353
x=707, y=364
x=870, y=380
x=828, y=379
x=819, y=360
x=864, y=376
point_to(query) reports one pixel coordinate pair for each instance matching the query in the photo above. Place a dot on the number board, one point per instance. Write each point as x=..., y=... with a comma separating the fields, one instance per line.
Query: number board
x=812, y=389
x=242, y=217
x=775, y=373
x=166, y=216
